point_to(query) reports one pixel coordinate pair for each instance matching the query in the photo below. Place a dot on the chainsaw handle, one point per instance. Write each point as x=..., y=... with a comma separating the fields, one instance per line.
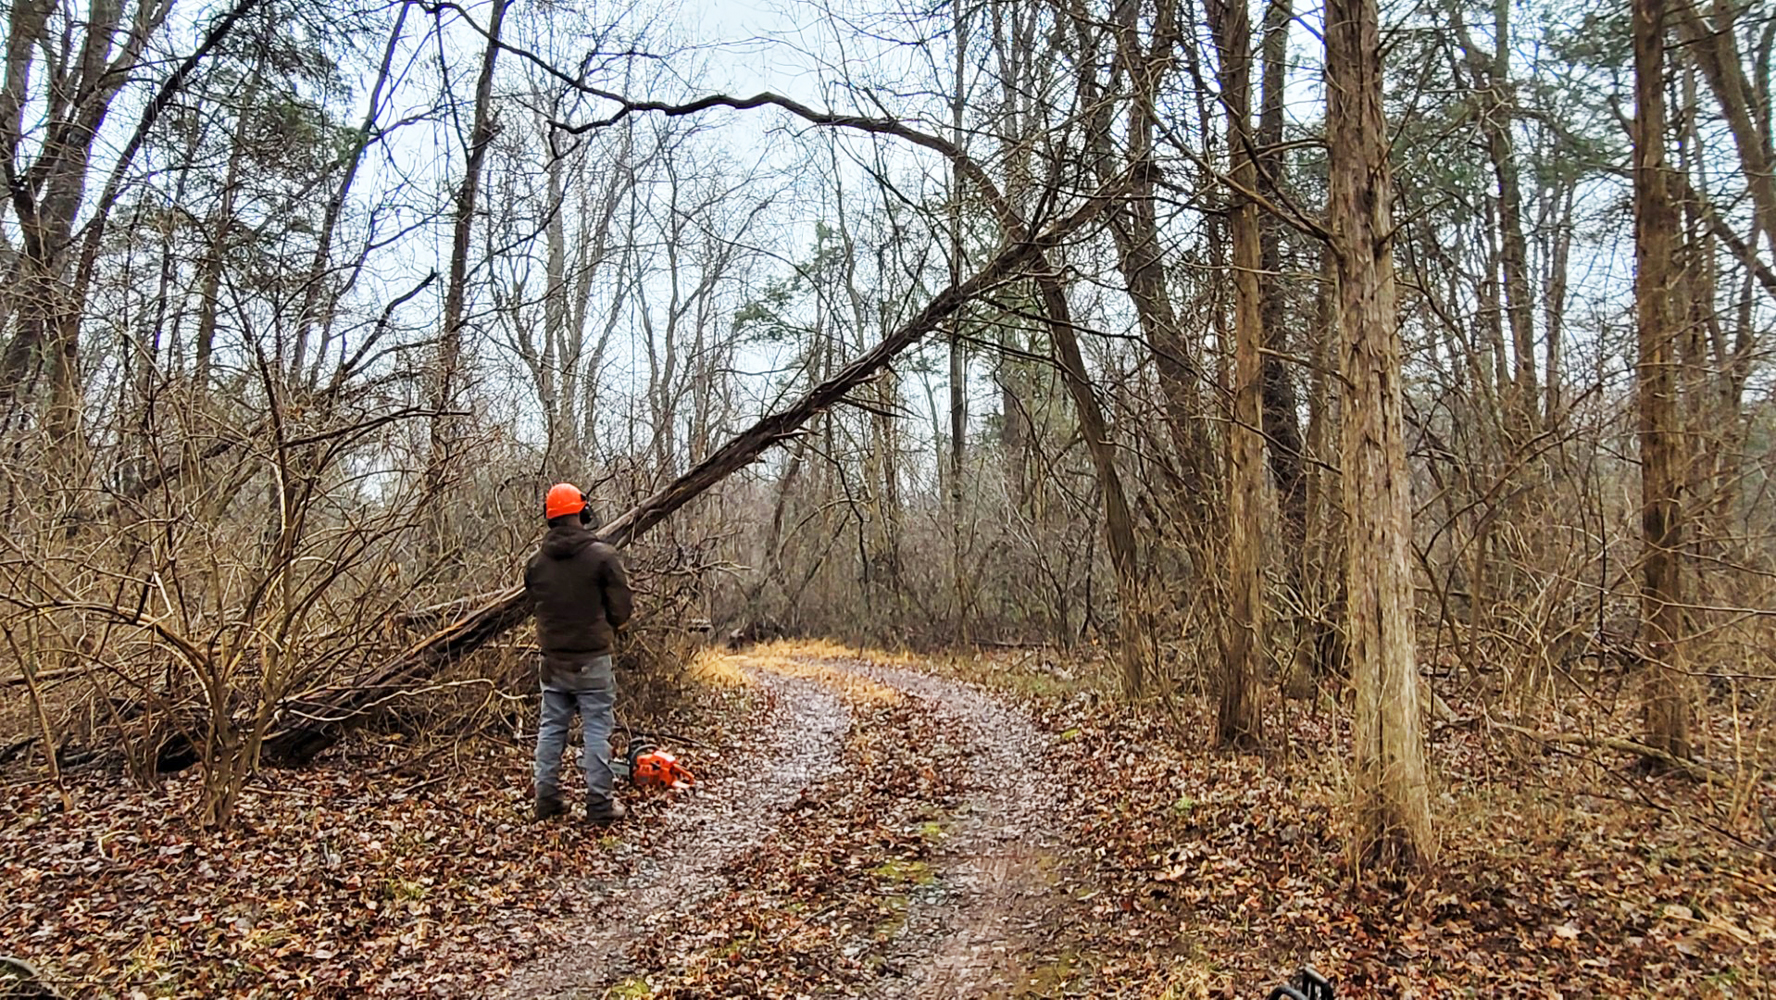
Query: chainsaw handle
x=1306, y=984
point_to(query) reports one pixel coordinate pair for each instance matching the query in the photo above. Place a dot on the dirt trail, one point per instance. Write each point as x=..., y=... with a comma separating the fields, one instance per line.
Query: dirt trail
x=683, y=866
x=968, y=933
x=976, y=937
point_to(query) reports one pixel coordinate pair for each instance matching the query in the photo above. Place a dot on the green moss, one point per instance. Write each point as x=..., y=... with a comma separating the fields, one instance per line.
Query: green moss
x=902, y=870
x=1052, y=977
x=630, y=989
x=890, y=925
x=398, y=890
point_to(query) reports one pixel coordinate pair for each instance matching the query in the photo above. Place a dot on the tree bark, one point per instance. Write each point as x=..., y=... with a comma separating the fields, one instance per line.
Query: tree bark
x=1282, y=420
x=1655, y=223
x=450, y=343
x=1391, y=785
x=1239, y=717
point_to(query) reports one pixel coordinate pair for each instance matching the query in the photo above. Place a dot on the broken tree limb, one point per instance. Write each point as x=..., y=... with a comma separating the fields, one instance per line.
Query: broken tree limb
x=311, y=722
x=43, y=677
x=1694, y=769
x=1746, y=253
x=780, y=426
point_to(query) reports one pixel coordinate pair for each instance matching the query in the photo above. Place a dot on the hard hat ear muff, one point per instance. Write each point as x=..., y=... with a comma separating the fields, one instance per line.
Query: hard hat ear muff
x=585, y=511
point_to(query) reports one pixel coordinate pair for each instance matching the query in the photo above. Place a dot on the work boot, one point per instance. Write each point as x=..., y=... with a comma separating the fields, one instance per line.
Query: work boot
x=549, y=805
x=605, y=813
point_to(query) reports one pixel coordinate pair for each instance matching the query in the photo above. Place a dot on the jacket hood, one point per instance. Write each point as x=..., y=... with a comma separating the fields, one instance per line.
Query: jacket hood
x=566, y=541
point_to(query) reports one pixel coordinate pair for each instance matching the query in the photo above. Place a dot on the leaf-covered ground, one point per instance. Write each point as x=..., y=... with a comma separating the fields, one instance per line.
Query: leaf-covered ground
x=385, y=869
x=1560, y=875
x=1012, y=837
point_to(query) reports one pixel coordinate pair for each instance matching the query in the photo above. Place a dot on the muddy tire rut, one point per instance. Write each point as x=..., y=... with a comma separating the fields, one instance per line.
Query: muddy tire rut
x=967, y=932
x=684, y=859
x=974, y=938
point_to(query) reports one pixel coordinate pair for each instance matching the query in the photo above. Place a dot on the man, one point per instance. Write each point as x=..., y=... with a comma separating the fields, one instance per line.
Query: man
x=580, y=596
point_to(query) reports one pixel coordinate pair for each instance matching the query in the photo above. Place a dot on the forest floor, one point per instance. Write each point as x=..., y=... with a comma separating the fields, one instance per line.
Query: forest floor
x=875, y=826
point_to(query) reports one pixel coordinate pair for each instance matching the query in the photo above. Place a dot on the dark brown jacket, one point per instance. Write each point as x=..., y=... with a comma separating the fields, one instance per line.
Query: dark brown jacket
x=579, y=594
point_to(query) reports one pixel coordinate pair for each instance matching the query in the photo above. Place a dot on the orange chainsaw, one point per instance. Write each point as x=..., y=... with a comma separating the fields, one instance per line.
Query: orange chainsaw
x=647, y=766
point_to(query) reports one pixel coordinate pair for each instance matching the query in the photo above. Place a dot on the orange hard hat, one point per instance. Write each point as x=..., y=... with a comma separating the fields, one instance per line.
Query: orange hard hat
x=564, y=500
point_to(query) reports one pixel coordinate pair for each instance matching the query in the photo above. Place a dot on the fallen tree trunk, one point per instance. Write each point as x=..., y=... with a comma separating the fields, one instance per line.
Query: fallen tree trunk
x=1693, y=769
x=437, y=615
x=314, y=721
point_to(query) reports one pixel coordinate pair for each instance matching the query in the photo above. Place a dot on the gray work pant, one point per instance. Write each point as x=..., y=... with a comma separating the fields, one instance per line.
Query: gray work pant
x=593, y=690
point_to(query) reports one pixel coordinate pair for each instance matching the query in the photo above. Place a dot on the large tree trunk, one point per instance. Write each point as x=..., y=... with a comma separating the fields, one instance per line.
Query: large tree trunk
x=1655, y=226
x=1282, y=421
x=307, y=316
x=445, y=424
x=958, y=361
x=1239, y=717
x=1391, y=786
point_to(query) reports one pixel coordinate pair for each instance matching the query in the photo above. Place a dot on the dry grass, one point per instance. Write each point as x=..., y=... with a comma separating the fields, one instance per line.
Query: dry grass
x=828, y=649
x=716, y=669
x=809, y=660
